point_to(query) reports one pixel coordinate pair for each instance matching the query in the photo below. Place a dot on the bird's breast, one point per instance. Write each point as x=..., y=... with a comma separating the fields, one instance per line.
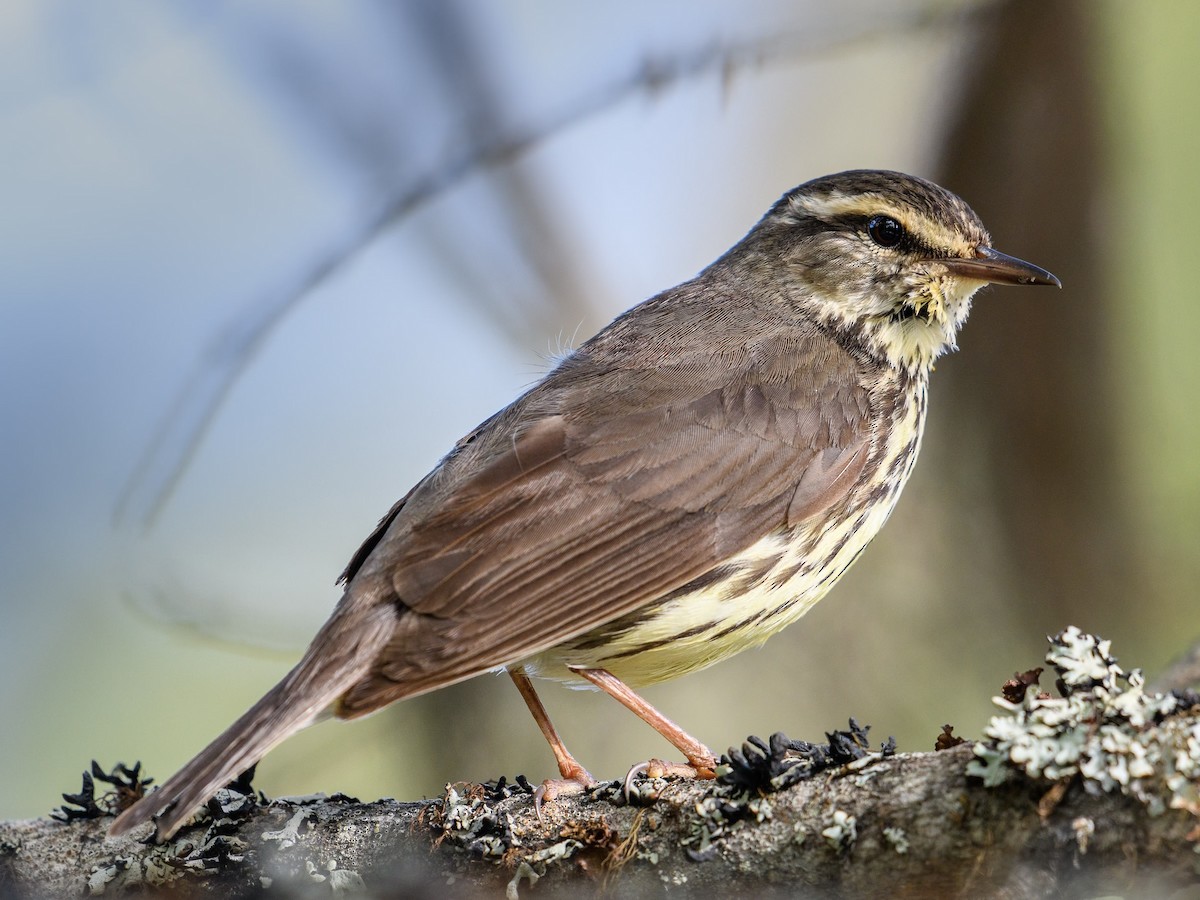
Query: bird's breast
x=760, y=590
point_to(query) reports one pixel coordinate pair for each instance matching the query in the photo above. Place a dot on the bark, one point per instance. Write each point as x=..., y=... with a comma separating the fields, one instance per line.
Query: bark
x=909, y=825
x=1094, y=790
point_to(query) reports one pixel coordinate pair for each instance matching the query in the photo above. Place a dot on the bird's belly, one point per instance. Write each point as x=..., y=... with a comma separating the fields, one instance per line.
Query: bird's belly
x=751, y=596
x=768, y=586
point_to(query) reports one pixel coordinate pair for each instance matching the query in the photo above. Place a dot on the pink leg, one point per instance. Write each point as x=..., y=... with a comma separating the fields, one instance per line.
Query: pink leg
x=575, y=778
x=702, y=762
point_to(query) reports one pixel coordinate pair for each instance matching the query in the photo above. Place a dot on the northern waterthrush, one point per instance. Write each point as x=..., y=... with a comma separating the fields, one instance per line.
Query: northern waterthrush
x=679, y=488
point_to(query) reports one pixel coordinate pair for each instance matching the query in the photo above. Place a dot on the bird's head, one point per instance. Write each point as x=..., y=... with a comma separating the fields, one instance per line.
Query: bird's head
x=890, y=258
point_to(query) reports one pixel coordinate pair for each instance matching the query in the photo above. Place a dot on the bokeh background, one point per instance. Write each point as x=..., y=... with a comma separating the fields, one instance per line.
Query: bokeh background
x=264, y=262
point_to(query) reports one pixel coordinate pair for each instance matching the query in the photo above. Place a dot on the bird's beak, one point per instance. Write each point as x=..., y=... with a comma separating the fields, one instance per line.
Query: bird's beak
x=998, y=268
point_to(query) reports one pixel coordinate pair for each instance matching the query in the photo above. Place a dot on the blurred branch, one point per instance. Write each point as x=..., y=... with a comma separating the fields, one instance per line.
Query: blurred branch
x=910, y=825
x=539, y=237
x=182, y=430
x=1026, y=145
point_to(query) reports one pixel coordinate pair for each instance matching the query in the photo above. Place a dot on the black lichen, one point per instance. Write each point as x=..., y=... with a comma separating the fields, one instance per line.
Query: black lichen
x=128, y=786
x=765, y=767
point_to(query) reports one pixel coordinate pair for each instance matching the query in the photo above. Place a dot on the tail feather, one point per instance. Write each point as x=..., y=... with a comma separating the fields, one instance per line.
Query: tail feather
x=337, y=658
x=244, y=743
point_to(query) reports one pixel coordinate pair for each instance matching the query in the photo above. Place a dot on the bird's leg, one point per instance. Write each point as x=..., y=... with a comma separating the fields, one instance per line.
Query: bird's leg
x=702, y=762
x=575, y=778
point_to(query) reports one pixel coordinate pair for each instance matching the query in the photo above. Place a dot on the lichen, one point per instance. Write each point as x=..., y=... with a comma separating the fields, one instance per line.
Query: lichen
x=289, y=834
x=775, y=765
x=1084, y=828
x=747, y=776
x=128, y=786
x=1105, y=728
x=897, y=838
x=715, y=815
x=470, y=816
x=470, y=821
x=842, y=831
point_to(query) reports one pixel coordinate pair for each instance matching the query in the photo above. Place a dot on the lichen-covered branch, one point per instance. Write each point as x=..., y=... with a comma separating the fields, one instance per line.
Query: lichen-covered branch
x=1089, y=793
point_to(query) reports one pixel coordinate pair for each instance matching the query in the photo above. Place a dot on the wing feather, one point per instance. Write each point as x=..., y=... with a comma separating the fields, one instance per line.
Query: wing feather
x=604, y=488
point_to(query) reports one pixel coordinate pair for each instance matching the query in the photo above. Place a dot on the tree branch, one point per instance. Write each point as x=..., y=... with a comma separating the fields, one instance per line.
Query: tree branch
x=1091, y=792
x=910, y=825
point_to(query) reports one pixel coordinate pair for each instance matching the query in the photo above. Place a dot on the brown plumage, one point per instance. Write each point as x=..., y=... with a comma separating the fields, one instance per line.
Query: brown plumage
x=738, y=438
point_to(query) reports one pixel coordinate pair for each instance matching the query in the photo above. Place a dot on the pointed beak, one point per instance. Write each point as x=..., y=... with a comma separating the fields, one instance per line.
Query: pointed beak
x=995, y=267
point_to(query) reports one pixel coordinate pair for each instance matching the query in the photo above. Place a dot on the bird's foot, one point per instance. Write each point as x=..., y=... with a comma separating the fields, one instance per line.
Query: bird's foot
x=573, y=782
x=702, y=768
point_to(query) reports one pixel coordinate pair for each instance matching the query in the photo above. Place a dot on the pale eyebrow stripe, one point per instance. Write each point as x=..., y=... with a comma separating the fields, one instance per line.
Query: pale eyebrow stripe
x=835, y=205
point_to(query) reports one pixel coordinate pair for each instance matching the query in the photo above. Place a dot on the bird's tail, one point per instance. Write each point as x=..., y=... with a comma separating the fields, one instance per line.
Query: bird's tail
x=337, y=658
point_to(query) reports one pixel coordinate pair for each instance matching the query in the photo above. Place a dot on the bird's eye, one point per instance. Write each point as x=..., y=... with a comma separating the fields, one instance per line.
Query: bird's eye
x=885, y=231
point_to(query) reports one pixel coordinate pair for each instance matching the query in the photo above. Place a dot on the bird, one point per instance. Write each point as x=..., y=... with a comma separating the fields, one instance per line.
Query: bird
x=678, y=488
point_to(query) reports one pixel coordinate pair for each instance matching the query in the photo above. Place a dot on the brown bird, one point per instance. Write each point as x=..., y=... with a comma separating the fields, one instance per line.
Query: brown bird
x=679, y=488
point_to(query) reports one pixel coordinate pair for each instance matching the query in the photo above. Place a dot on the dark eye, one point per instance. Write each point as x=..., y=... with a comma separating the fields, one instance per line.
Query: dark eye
x=885, y=231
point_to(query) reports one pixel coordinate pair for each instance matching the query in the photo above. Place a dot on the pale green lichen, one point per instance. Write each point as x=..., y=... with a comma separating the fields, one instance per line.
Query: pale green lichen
x=100, y=877
x=1106, y=729
x=715, y=816
x=524, y=872
x=472, y=823
x=842, y=831
x=897, y=838
x=761, y=809
x=289, y=834
x=1084, y=828
x=341, y=881
x=534, y=865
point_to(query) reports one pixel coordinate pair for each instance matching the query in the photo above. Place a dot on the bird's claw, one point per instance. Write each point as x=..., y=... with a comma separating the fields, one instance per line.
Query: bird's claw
x=553, y=788
x=656, y=768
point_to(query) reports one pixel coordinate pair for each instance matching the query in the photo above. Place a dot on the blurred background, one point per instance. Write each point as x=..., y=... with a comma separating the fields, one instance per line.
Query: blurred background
x=265, y=262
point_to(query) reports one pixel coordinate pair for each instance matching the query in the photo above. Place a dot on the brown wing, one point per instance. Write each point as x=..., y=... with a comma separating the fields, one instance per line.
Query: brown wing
x=605, y=488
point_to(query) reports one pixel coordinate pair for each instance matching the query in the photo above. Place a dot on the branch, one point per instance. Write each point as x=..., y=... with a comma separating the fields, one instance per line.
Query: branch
x=912, y=819
x=1088, y=793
